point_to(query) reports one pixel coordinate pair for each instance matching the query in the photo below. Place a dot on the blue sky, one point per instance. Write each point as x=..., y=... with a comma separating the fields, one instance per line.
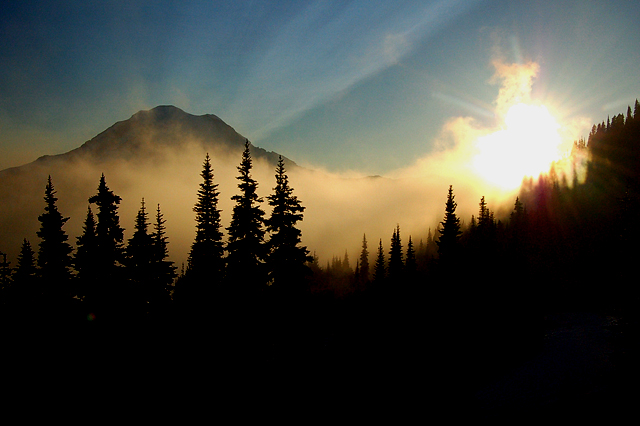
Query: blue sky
x=344, y=85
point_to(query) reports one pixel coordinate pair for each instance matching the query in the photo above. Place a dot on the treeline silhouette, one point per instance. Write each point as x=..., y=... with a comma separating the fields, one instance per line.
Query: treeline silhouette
x=469, y=296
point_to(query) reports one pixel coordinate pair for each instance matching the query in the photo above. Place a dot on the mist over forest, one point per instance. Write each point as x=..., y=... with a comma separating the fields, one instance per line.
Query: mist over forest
x=320, y=209
x=159, y=159
x=154, y=227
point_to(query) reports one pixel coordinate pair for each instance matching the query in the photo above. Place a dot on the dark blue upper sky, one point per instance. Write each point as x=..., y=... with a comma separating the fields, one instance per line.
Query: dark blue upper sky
x=348, y=85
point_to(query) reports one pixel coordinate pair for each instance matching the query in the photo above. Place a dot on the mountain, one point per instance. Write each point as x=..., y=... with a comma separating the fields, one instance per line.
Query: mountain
x=155, y=154
x=164, y=126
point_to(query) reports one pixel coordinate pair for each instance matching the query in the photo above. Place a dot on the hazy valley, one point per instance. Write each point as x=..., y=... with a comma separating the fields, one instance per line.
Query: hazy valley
x=157, y=155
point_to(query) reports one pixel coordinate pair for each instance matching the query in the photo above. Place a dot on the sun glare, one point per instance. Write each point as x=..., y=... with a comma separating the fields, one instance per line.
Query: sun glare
x=526, y=146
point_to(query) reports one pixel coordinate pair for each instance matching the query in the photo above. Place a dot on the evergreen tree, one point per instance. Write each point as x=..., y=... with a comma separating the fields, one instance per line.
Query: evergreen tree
x=85, y=260
x=517, y=233
x=484, y=223
x=450, y=230
x=346, y=265
x=245, y=247
x=206, y=257
x=379, y=269
x=396, y=262
x=109, y=246
x=485, y=217
x=364, y=261
x=109, y=234
x=54, y=254
x=26, y=267
x=473, y=225
x=286, y=259
x=431, y=248
x=410, y=265
x=314, y=264
x=518, y=210
x=25, y=273
x=139, y=255
x=484, y=235
x=163, y=270
x=336, y=266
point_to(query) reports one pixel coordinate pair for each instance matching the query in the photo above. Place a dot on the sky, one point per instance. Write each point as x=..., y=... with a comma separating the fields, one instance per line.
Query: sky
x=363, y=86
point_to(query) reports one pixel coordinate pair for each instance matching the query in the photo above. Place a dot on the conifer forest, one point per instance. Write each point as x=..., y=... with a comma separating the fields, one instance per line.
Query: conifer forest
x=449, y=310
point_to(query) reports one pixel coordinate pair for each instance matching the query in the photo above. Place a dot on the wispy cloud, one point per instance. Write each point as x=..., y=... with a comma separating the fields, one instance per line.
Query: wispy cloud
x=516, y=81
x=327, y=49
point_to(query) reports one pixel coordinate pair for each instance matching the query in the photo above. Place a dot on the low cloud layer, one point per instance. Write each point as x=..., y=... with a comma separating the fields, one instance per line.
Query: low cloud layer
x=340, y=207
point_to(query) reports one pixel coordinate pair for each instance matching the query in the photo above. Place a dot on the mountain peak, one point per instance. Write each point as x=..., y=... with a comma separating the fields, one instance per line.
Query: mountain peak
x=168, y=126
x=164, y=125
x=160, y=112
x=150, y=147
x=168, y=112
x=145, y=133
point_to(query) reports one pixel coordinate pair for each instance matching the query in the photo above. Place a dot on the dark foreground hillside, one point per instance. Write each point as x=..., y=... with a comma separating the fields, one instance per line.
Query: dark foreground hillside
x=361, y=355
x=530, y=317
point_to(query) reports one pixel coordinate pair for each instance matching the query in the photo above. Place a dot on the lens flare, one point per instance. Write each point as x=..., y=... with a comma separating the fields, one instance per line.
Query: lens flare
x=526, y=146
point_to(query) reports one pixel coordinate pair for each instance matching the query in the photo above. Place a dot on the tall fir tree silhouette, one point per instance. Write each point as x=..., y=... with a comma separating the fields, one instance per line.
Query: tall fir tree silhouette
x=410, y=264
x=483, y=237
x=448, y=243
x=486, y=221
x=24, y=285
x=245, y=247
x=109, y=247
x=85, y=260
x=364, y=262
x=54, y=254
x=379, y=268
x=518, y=235
x=518, y=210
x=205, y=266
x=163, y=270
x=139, y=255
x=346, y=264
x=286, y=257
x=396, y=262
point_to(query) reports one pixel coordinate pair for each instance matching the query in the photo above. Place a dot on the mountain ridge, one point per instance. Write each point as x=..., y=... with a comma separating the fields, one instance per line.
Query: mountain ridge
x=165, y=126
x=156, y=154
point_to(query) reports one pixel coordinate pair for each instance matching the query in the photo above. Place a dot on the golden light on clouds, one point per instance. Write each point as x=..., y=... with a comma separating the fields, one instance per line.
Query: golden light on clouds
x=527, y=146
x=516, y=82
x=525, y=140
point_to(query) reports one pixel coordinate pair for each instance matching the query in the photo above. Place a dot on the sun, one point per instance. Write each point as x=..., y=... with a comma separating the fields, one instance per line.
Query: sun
x=526, y=145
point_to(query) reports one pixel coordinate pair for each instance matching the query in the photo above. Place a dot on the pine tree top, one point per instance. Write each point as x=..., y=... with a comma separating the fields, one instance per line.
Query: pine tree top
x=109, y=233
x=207, y=249
x=248, y=186
x=450, y=230
x=379, y=269
x=105, y=196
x=89, y=226
x=247, y=216
x=159, y=236
x=54, y=254
x=245, y=246
x=287, y=210
x=51, y=220
x=451, y=222
x=364, y=254
x=26, y=266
